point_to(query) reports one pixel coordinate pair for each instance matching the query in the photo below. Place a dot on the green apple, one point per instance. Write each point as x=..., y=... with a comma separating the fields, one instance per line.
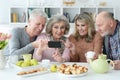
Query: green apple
x=26, y=63
x=19, y=63
x=53, y=68
x=34, y=62
x=27, y=57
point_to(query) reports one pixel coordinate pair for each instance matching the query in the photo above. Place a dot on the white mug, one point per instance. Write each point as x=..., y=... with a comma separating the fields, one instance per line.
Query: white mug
x=89, y=55
x=46, y=63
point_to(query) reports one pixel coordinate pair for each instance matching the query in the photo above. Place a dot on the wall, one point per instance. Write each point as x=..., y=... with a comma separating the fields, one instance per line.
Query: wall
x=5, y=15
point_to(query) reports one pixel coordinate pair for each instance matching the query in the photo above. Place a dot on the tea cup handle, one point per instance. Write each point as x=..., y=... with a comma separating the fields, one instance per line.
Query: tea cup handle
x=111, y=62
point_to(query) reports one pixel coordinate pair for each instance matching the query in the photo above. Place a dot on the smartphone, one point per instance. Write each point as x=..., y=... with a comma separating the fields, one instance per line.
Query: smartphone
x=54, y=44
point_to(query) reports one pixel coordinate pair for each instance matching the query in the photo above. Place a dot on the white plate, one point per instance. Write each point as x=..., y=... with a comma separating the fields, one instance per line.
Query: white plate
x=33, y=74
x=72, y=75
x=26, y=68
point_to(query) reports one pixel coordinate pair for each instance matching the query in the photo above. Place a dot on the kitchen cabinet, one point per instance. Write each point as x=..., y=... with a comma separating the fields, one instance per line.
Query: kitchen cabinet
x=20, y=15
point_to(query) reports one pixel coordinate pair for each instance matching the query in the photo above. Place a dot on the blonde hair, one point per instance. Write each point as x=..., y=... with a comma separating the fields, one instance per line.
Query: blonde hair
x=55, y=19
x=87, y=18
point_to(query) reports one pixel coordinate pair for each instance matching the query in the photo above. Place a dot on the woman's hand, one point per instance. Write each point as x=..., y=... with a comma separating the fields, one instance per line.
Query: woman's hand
x=70, y=46
x=57, y=56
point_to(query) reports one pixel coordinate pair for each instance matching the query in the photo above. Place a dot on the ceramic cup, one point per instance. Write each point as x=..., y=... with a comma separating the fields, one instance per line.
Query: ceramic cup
x=46, y=63
x=89, y=55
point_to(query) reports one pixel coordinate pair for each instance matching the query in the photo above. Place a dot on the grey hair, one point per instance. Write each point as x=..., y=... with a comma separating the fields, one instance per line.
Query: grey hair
x=37, y=12
x=55, y=19
x=109, y=15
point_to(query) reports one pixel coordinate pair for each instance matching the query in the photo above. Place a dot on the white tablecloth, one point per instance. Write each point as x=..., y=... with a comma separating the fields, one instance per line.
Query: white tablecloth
x=10, y=74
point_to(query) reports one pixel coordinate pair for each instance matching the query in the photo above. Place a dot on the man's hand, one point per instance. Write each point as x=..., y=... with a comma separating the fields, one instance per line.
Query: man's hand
x=116, y=64
x=42, y=45
x=39, y=43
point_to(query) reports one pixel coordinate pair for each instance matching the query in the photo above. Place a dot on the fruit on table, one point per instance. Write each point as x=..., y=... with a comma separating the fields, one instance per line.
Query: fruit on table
x=27, y=62
x=53, y=68
x=34, y=62
x=19, y=63
x=27, y=57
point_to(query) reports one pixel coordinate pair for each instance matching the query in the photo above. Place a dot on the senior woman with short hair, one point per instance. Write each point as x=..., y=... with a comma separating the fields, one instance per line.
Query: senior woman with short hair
x=22, y=40
x=56, y=28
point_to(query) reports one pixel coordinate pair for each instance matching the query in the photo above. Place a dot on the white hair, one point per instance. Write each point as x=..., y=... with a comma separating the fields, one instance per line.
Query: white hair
x=57, y=18
x=37, y=12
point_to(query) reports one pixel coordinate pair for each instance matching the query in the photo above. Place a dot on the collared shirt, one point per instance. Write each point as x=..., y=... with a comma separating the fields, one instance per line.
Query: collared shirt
x=114, y=44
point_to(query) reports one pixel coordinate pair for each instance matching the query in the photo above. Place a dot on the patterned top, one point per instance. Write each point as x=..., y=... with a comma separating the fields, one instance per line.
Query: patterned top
x=114, y=44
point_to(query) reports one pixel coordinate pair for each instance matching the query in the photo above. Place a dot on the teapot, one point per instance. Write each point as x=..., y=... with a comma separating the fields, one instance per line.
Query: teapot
x=100, y=65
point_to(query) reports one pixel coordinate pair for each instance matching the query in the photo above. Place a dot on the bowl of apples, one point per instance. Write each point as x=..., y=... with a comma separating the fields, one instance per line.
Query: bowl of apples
x=27, y=63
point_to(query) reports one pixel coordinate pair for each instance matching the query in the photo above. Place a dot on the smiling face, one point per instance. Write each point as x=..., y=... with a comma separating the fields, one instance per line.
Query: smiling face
x=36, y=25
x=58, y=30
x=82, y=27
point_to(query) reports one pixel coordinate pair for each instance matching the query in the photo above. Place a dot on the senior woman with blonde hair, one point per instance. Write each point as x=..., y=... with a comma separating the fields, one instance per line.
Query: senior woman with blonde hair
x=56, y=28
x=84, y=39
